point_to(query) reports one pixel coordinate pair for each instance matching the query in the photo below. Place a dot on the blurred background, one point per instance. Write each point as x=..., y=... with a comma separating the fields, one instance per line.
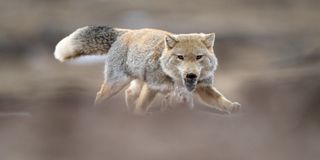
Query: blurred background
x=269, y=61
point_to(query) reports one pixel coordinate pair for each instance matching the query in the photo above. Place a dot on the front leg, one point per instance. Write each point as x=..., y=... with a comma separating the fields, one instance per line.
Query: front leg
x=145, y=98
x=212, y=97
x=132, y=93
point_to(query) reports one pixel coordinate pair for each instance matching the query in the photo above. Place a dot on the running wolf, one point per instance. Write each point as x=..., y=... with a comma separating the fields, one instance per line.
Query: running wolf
x=154, y=61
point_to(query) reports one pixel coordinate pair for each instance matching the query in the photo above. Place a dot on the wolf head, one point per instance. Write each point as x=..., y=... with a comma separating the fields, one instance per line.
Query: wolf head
x=189, y=58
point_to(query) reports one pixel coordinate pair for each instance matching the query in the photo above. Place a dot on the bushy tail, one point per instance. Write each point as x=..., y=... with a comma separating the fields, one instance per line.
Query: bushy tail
x=90, y=40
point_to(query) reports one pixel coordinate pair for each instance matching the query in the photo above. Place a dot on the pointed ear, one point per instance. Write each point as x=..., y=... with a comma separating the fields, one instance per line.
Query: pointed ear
x=209, y=39
x=170, y=41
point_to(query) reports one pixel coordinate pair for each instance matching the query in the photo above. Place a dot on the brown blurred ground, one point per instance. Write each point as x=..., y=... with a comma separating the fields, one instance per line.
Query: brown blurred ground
x=269, y=62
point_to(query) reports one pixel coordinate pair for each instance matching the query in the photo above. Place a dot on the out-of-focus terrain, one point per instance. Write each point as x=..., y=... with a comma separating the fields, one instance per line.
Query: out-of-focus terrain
x=269, y=58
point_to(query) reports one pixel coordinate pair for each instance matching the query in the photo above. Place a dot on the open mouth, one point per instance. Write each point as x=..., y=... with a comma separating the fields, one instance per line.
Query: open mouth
x=190, y=84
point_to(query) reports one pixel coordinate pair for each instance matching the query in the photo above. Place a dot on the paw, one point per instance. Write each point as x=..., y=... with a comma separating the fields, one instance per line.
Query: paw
x=230, y=108
x=235, y=107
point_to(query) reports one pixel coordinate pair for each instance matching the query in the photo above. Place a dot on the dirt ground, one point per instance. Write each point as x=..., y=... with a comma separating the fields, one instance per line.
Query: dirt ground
x=269, y=60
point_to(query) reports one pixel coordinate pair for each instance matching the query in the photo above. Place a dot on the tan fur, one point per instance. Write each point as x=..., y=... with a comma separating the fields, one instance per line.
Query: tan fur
x=132, y=93
x=212, y=97
x=154, y=61
x=145, y=98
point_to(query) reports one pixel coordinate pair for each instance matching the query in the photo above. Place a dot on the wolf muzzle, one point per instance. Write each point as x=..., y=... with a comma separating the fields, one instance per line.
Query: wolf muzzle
x=190, y=81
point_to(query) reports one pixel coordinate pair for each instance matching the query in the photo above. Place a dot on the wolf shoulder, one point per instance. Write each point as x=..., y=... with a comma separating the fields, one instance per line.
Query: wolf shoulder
x=140, y=48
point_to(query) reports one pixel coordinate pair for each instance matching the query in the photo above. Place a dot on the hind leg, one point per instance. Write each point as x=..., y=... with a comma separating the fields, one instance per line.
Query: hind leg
x=113, y=83
x=132, y=93
x=108, y=90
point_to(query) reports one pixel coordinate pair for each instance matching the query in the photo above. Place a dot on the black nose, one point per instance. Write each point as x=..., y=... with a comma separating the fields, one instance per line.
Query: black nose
x=191, y=76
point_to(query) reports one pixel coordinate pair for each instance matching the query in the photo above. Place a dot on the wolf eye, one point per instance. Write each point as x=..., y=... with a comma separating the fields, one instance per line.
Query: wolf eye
x=199, y=57
x=180, y=57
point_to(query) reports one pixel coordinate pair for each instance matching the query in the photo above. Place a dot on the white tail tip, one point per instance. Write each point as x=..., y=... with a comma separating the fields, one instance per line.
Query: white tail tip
x=64, y=49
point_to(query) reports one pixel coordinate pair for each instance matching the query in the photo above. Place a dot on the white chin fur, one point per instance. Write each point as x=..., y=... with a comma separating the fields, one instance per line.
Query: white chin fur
x=64, y=49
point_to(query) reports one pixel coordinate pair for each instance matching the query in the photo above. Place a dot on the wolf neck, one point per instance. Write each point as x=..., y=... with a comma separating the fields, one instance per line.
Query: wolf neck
x=153, y=72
